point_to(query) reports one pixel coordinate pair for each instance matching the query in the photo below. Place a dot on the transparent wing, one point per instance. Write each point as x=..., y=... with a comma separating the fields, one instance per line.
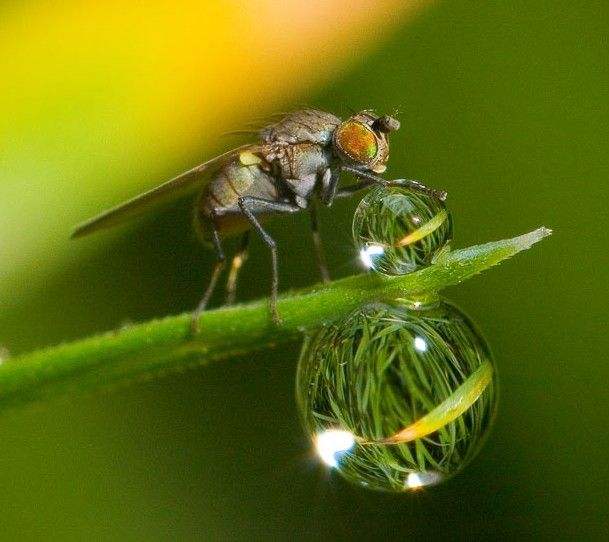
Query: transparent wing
x=253, y=127
x=179, y=186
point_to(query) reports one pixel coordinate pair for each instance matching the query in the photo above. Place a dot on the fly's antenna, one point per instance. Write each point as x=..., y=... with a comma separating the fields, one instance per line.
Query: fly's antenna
x=386, y=124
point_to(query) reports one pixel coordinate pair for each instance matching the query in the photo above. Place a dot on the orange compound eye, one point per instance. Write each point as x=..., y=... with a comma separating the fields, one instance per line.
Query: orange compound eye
x=357, y=141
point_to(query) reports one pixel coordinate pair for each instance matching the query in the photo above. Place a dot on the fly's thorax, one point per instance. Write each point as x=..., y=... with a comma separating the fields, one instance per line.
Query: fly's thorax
x=300, y=166
x=304, y=126
x=361, y=141
x=303, y=160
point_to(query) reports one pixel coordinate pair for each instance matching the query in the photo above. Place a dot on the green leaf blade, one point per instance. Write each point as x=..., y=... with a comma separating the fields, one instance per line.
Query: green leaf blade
x=161, y=346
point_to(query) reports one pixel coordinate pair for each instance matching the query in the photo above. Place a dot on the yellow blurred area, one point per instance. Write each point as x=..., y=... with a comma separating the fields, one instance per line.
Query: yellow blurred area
x=100, y=99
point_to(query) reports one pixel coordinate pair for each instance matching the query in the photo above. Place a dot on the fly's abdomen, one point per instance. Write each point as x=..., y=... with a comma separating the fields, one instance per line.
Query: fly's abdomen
x=220, y=200
x=236, y=180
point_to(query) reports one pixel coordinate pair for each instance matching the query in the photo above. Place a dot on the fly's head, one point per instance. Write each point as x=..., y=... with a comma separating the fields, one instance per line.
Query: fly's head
x=361, y=141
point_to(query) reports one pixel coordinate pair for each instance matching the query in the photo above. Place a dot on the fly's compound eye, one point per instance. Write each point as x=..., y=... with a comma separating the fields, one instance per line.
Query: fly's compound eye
x=357, y=141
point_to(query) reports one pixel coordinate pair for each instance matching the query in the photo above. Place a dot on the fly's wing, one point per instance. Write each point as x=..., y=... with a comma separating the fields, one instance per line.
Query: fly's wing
x=189, y=181
x=302, y=126
x=255, y=126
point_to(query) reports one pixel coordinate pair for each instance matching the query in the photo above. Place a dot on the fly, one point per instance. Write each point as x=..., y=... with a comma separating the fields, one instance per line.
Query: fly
x=296, y=161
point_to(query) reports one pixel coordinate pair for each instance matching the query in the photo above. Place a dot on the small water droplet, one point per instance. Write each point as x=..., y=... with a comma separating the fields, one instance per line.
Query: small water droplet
x=398, y=231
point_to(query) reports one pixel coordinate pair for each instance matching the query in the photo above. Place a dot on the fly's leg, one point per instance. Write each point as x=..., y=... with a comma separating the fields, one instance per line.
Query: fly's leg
x=250, y=207
x=417, y=185
x=218, y=266
x=236, y=263
x=329, y=184
x=348, y=191
x=408, y=183
x=317, y=244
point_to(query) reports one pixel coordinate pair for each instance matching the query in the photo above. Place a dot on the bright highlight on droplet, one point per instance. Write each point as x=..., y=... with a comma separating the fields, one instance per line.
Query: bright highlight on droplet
x=416, y=480
x=366, y=253
x=413, y=480
x=420, y=344
x=331, y=443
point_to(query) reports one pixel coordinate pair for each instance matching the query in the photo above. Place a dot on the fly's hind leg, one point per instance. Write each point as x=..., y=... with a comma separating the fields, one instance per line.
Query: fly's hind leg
x=217, y=269
x=317, y=244
x=233, y=273
x=250, y=207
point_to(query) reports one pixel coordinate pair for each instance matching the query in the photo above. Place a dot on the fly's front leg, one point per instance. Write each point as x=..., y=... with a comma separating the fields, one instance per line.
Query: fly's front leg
x=218, y=266
x=250, y=207
x=348, y=191
x=317, y=244
x=408, y=183
x=236, y=263
x=417, y=185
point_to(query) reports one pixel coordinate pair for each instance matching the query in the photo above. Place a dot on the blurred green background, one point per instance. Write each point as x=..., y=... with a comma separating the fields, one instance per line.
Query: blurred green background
x=504, y=104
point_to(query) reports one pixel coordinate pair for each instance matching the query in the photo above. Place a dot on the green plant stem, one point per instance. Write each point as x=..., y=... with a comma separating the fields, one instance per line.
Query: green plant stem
x=149, y=349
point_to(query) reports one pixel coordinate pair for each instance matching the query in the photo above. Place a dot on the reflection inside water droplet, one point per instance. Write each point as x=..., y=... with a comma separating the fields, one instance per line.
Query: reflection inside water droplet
x=397, y=399
x=398, y=231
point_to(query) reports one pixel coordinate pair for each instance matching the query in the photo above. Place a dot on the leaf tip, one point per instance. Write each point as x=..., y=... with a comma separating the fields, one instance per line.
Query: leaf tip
x=545, y=232
x=529, y=239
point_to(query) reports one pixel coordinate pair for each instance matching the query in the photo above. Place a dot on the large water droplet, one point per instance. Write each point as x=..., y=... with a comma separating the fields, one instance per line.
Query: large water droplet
x=395, y=399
